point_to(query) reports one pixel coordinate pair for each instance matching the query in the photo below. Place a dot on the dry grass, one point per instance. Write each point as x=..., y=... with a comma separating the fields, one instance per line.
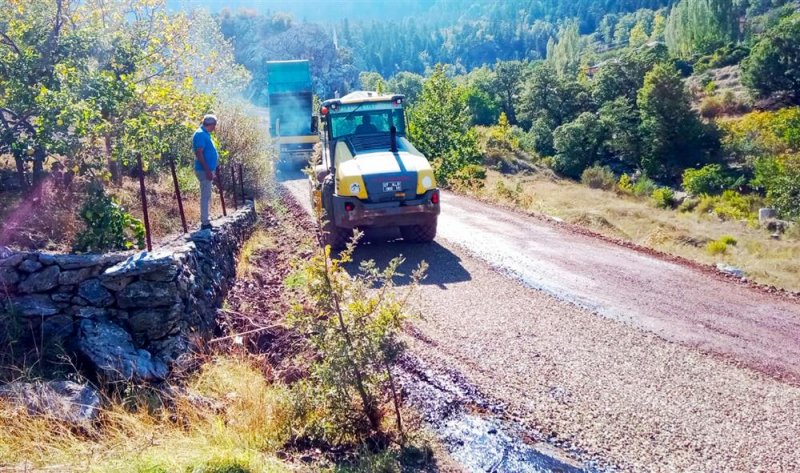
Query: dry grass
x=53, y=221
x=255, y=419
x=768, y=261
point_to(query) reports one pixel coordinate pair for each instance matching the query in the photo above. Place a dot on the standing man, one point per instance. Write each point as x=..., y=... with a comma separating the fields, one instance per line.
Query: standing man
x=205, y=165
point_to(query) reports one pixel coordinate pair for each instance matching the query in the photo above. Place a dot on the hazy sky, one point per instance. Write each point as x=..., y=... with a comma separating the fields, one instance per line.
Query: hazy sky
x=317, y=10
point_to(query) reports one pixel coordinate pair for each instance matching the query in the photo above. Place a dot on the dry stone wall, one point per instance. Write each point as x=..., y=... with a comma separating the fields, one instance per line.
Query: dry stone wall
x=129, y=315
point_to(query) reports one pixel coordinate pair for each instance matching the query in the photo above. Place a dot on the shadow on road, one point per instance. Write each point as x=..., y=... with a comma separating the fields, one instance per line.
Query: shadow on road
x=444, y=267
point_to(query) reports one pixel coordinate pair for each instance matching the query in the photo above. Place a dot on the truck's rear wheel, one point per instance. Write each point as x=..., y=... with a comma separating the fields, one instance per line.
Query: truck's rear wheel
x=422, y=233
x=337, y=237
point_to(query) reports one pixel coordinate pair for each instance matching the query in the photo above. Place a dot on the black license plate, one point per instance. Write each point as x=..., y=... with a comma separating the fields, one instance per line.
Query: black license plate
x=392, y=186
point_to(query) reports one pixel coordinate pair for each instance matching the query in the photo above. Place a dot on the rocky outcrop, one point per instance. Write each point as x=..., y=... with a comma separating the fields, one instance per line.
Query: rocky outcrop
x=130, y=315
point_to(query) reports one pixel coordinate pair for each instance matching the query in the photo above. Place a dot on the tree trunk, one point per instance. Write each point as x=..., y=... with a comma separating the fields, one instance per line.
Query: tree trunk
x=38, y=165
x=113, y=165
x=23, y=181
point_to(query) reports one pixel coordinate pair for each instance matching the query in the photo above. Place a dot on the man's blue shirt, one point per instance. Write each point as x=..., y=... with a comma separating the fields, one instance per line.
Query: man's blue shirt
x=202, y=139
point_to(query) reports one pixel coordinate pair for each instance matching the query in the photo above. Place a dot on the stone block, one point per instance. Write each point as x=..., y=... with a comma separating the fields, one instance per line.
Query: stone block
x=155, y=324
x=8, y=276
x=75, y=276
x=12, y=260
x=110, y=349
x=35, y=305
x=147, y=294
x=39, y=282
x=94, y=292
x=30, y=265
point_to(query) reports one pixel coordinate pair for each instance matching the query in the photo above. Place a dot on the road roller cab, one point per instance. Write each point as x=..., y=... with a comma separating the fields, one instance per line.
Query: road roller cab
x=370, y=174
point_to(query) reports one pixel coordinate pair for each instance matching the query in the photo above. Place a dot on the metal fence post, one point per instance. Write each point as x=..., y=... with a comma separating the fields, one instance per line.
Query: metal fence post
x=241, y=181
x=178, y=193
x=144, y=203
x=233, y=186
x=221, y=193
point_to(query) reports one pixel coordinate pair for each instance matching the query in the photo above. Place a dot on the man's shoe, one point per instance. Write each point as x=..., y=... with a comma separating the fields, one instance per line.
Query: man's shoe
x=206, y=226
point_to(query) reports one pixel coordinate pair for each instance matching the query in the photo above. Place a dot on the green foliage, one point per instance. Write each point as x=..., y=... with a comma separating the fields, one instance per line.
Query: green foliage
x=624, y=76
x=483, y=108
x=439, y=127
x=701, y=26
x=663, y=197
x=91, y=83
x=578, y=144
x=772, y=64
x=731, y=205
x=622, y=122
x=355, y=328
x=406, y=83
x=711, y=179
x=471, y=176
x=564, y=53
x=644, y=186
x=780, y=176
x=727, y=55
x=598, y=177
x=108, y=225
x=767, y=143
x=506, y=84
x=673, y=136
x=625, y=184
x=716, y=247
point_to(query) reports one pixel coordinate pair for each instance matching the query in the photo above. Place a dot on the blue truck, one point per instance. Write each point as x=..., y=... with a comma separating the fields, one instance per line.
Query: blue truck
x=292, y=122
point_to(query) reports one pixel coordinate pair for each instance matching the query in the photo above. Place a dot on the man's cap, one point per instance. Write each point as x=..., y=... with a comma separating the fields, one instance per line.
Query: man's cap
x=209, y=119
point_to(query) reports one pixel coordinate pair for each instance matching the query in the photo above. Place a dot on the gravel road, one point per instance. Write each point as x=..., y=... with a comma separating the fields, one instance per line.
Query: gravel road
x=649, y=364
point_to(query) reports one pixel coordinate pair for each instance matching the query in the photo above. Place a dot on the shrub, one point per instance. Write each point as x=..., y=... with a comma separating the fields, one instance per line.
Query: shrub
x=688, y=204
x=781, y=179
x=663, y=197
x=598, y=177
x=711, y=107
x=716, y=247
x=732, y=205
x=356, y=330
x=577, y=144
x=471, y=176
x=108, y=225
x=711, y=180
x=625, y=185
x=644, y=186
x=720, y=246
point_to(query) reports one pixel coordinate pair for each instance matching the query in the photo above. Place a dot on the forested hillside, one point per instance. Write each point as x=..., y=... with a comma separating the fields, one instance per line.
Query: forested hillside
x=575, y=84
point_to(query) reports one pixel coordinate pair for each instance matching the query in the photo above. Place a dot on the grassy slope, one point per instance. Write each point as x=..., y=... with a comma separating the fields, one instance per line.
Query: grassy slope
x=768, y=261
x=245, y=434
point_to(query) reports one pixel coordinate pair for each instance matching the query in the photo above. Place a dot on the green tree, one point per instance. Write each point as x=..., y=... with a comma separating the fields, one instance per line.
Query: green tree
x=578, y=144
x=772, y=66
x=701, y=26
x=622, y=121
x=372, y=81
x=565, y=53
x=439, y=126
x=509, y=77
x=624, y=76
x=408, y=84
x=548, y=101
x=673, y=135
x=484, y=109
